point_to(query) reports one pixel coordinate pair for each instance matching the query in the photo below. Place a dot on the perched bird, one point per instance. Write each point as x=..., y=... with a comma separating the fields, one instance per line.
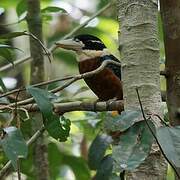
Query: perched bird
x=91, y=52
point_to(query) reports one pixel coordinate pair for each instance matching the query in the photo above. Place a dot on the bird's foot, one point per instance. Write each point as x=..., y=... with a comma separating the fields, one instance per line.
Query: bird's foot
x=109, y=102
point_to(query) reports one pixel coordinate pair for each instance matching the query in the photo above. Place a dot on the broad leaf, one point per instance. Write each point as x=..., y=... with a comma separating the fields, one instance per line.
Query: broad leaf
x=7, y=55
x=97, y=150
x=133, y=147
x=46, y=12
x=41, y=97
x=52, y=9
x=169, y=139
x=13, y=144
x=5, y=52
x=57, y=127
x=12, y=35
x=123, y=121
x=21, y=7
x=105, y=169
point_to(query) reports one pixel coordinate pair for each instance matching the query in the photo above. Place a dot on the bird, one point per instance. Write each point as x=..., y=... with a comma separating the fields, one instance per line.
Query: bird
x=91, y=53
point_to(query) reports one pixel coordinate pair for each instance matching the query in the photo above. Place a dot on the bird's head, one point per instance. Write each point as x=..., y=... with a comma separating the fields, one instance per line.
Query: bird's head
x=86, y=46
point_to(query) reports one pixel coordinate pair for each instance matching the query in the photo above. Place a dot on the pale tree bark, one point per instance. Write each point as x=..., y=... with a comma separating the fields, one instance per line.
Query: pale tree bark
x=37, y=75
x=139, y=48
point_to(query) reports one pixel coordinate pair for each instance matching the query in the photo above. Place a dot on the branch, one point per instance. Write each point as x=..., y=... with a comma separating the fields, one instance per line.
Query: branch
x=15, y=63
x=66, y=107
x=61, y=108
x=53, y=47
x=7, y=166
x=37, y=85
x=74, y=79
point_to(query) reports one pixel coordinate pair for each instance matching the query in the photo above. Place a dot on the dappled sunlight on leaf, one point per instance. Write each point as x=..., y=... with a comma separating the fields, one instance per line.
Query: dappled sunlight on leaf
x=133, y=147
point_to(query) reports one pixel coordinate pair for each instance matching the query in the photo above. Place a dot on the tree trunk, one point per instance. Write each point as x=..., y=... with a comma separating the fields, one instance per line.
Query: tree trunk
x=37, y=75
x=171, y=25
x=139, y=47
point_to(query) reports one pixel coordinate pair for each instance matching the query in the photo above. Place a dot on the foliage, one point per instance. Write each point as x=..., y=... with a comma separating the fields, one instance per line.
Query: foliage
x=97, y=150
x=13, y=144
x=133, y=147
x=169, y=139
x=107, y=156
x=57, y=127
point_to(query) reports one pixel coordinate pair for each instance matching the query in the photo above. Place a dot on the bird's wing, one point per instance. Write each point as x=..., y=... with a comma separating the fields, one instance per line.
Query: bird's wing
x=113, y=67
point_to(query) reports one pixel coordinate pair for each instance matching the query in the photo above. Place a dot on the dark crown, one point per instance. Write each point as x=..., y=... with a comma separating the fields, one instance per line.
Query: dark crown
x=91, y=42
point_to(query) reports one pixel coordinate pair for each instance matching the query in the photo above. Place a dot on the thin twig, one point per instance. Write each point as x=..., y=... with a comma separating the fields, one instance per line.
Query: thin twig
x=75, y=78
x=47, y=52
x=159, y=117
x=16, y=111
x=17, y=62
x=85, y=75
x=18, y=169
x=37, y=85
x=53, y=47
x=154, y=135
x=7, y=166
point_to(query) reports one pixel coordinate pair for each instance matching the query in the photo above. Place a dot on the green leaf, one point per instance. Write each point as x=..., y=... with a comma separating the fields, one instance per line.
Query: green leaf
x=3, y=85
x=97, y=150
x=12, y=35
x=133, y=147
x=5, y=52
x=7, y=55
x=13, y=144
x=123, y=121
x=46, y=12
x=57, y=127
x=21, y=7
x=52, y=9
x=169, y=139
x=41, y=97
x=105, y=169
